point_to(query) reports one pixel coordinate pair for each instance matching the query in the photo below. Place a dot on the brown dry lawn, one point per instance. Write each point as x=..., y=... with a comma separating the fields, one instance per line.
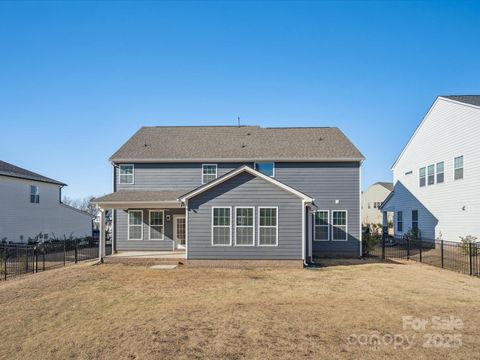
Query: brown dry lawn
x=116, y=311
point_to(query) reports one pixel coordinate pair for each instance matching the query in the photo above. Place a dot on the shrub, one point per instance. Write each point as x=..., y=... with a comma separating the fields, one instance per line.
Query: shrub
x=465, y=242
x=369, y=242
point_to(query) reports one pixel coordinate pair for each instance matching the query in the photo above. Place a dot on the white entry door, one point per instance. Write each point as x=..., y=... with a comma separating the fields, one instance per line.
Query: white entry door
x=179, y=231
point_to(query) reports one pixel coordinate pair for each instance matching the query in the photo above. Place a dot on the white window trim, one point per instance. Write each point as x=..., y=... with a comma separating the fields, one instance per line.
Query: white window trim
x=216, y=172
x=150, y=225
x=133, y=174
x=346, y=225
x=259, y=226
x=315, y=226
x=141, y=224
x=264, y=162
x=434, y=174
x=424, y=177
x=463, y=167
x=438, y=173
x=229, y=228
x=36, y=194
x=243, y=226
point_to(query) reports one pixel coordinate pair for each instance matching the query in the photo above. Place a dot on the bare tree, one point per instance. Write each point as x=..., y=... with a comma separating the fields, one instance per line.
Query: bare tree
x=83, y=204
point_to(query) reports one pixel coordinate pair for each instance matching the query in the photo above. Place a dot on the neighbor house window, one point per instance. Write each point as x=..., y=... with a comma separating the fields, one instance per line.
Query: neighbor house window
x=34, y=194
x=209, y=172
x=135, y=225
x=421, y=174
x=244, y=226
x=267, y=226
x=440, y=172
x=322, y=226
x=339, y=225
x=126, y=174
x=458, y=166
x=156, y=225
x=266, y=168
x=431, y=174
x=221, y=226
x=415, y=219
x=400, y=221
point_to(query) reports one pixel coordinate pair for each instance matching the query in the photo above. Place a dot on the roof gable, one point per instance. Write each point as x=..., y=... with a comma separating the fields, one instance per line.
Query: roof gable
x=238, y=171
x=236, y=143
x=11, y=170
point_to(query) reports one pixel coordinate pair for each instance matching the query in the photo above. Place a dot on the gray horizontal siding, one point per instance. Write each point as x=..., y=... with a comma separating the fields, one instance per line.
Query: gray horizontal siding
x=121, y=229
x=245, y=190
x=167, y=176
x=326, y=183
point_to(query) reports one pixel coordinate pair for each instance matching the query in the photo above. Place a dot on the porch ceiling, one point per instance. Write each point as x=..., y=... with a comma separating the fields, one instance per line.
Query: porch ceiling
x=128, y=199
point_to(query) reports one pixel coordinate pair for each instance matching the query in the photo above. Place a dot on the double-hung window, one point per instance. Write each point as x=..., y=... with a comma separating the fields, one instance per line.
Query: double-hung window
x=458, y=168
x=421, y=174
x=125, y=174
x=135, y=225
x=266, y=168
x=209, y=172
x=431, y=174
x=400, y=221
x=34, y=194
x=440, y=172
x=339, y=225
x=244, y=226
x=156, y=225
x=415, y=219
x=267, y=226
x=221, y=226
x=322, y=225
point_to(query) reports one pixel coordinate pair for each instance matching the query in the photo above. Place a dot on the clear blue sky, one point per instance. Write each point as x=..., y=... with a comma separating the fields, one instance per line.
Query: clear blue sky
x=78, y=78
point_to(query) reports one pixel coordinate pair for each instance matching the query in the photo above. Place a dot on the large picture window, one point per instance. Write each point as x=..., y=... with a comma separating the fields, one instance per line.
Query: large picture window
x=322, y=225
x=156, y=225
x=339, y=225
x=209, y=172
x=135, y=225
x=221, y=226
x=125, y=174
x=244, y=226
x=267, y=226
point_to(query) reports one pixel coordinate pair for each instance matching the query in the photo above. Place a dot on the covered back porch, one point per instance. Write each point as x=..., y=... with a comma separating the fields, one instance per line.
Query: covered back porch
x=146, y=224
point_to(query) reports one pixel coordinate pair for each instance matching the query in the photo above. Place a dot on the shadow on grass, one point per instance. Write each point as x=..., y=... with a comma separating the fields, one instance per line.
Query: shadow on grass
x=331, y=262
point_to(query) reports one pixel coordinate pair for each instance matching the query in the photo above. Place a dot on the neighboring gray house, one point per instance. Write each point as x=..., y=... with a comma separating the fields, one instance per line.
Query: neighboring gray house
x=237, y=193
x=31, y=205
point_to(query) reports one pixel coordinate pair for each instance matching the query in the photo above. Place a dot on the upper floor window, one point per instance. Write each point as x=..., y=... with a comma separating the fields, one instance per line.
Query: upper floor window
x=440, y=172
x=126, y=173
x=458, y=168
x=34, y=194
x=431, y=174
x=421, y=173
x=266, y=168
x=209, y=172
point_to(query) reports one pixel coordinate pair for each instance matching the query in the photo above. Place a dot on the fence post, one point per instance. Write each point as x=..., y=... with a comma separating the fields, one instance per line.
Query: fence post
x=5, y=262
x=64, y=253
x=408, y=247
x=76, y=251
x=421, y=245
x=26, y=260
x=383, y=245
x=43, y=256
x=470, y=253
x=441, y=248
x=35, y=255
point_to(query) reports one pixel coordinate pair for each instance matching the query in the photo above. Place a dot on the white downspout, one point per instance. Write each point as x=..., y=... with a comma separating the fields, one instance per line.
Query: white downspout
x=101, y=244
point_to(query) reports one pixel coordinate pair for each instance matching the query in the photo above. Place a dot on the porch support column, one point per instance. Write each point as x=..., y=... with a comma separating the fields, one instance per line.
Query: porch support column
x=101, y=244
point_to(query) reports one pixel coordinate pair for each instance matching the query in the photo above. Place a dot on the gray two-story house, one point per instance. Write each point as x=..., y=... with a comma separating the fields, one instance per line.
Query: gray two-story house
x=237, y=193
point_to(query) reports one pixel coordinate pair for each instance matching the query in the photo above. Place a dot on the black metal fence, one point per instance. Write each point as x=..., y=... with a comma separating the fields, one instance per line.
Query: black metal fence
x=460, y=257
x=19, y=259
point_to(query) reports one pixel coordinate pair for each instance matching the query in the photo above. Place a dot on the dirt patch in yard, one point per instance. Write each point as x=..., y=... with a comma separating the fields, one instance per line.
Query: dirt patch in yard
x=114, y=311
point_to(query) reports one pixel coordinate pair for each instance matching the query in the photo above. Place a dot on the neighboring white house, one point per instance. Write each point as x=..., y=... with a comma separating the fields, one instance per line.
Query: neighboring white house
x=437, y=175
x=30, y=204
x=372, y=198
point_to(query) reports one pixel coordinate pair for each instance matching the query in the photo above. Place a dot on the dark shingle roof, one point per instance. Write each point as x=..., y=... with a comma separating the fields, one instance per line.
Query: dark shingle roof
x=386, y=185
x=141, y=195
x=242, y=143
x=467, y=99
x=7, y=169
